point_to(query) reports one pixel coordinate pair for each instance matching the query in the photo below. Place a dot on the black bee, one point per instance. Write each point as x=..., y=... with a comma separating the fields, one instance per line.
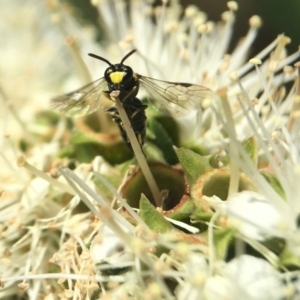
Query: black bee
x=119, y=77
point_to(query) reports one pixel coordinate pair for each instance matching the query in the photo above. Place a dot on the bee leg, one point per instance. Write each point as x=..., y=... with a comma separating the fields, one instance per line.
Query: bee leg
x=107, y=95
x=132, y=93
x=123, y=96
x=135, y=111
x=138, y=119
x=113, y=112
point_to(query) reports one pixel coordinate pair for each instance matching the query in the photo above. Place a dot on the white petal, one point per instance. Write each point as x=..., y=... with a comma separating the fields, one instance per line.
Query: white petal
x=253, y=214
x=247, y=278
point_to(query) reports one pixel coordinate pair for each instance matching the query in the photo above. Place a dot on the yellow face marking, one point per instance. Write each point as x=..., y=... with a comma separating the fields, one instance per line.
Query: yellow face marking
x=117, y=77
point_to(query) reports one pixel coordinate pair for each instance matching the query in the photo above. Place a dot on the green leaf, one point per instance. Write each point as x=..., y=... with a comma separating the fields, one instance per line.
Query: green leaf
x=86, y=147
x=114, y=154
x=101, y=186
x=170, y=126
x=152, y=217
x=193, y=164
x=163, y=141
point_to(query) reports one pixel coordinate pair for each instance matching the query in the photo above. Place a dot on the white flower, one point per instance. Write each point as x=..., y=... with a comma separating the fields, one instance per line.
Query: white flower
x=197, y=273
x=253, y=215
x=109, y=248
x=40, y=219
x=245, y=277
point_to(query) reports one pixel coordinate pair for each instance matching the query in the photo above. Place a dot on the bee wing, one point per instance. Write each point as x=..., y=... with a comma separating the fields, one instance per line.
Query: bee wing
x=83, y=101
x=185, y=95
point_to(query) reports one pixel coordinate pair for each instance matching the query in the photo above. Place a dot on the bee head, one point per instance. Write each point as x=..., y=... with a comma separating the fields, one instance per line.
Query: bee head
x=118, y=73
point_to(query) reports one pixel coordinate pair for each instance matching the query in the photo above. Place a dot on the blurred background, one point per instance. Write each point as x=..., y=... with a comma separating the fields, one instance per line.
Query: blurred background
x=278, y=17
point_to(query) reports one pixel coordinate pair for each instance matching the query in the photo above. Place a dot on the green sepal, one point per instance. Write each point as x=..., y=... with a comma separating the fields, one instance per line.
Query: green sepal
x=274, y=182
x=78, y=137
x=276, y=245
x=222, y=240
x=289, y=260
x=182, y=212
x=193, y=164
x=152, y=217
x=199, y=149
x=201, y=217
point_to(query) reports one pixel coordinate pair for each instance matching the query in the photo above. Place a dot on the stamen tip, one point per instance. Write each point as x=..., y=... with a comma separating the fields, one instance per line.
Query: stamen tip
x=284, y=40
x=95, y=2
x=191, y=11
x=21, y=161
x=70, y=40
x=206, y=103
x=232, y=5
x=202, y=28
x=55, y=18
x=233, y=76
x=297, y=64
x=226, y=16
x=255, y=21
x=297, y=99
x=255, y=61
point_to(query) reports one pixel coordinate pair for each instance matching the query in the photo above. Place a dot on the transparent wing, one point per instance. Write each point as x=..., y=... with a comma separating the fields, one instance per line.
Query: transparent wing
x=83, y=101
x=184, y=95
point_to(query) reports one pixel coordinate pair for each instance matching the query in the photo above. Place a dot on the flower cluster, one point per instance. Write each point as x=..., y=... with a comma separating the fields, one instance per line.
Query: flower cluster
x=79, y=218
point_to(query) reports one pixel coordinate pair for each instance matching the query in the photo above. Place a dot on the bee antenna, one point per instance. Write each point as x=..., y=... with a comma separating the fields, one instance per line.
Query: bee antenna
x=127, y=55
x=100, y=58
